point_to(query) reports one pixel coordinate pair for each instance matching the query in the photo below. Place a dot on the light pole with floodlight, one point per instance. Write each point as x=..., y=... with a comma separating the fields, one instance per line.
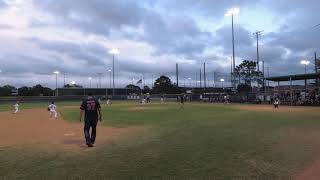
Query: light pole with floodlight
x=90, y=79
x=305, y=63
x=222, y=80
x=110, y=74
x=232, y=12
x=109, y=70
x=56, y=73
x=113, y=52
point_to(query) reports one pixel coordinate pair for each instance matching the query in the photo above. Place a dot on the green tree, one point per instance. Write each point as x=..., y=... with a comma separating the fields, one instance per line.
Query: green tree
x=133, y=89
x=24, y=91
x=6, y=90
x=146, y=89
x=163, y=85
x=247, y=72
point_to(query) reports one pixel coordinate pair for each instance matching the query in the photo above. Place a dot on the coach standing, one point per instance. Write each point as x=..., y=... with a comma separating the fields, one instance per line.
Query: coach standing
x=91, y=107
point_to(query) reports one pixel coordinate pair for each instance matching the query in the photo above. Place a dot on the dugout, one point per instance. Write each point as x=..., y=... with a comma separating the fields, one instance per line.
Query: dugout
x=119, y=93
x=292, y=89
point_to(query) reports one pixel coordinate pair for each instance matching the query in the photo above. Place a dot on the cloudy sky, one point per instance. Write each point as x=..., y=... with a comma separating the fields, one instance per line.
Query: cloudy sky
x=74, y=37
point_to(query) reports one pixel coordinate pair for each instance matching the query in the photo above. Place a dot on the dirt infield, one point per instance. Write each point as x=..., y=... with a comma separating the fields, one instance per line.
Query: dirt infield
x=34, y=127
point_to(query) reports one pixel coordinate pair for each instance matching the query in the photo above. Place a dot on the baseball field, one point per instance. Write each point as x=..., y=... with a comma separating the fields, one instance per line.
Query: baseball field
x=162, y=141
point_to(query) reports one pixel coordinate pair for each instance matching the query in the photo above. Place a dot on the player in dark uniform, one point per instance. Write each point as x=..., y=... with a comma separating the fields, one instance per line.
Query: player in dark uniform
x=182, y=98
x=91, y=107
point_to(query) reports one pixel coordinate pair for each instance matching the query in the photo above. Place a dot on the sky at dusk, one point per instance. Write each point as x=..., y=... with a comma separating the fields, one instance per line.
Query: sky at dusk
x=75, y=36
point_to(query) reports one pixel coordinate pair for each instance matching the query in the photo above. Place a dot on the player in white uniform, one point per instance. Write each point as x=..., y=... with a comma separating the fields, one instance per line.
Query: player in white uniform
x=276, y=103
x=108, y=102
x=16, y=107
x=162, y=99
x=52, y=110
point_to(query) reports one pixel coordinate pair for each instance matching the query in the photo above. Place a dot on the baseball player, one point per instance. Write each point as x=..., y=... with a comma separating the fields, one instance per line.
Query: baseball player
x=226, y=99
x=92, y=113
x=108, y=102
x=182, y=98
x=52, y=110
x=276, y=103
x=16, y=107
x=162, y=99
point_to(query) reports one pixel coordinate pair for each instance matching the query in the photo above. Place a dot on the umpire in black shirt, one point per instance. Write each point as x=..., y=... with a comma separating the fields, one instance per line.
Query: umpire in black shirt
x=91, y=107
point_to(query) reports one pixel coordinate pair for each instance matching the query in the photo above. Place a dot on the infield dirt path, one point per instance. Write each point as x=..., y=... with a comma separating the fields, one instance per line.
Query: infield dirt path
x=34, y=127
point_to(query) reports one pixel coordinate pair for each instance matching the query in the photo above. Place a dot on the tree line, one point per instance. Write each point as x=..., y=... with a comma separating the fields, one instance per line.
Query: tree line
x=37, y=90
x=246, y=74
x=162, y=85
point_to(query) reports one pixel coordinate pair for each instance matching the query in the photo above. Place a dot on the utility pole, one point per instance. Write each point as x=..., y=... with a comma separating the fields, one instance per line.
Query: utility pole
x=196, y=80
x=258, y=34
x=204, y=77
x=233, y=54
x=268, y=76
x=231, y=72
x=99, y=74
x=200, y=78
x=214, y=79
x=177, y=74
x=64, y=79
x=144, y=82
x=316, y=68
x=152, y=82
x=264, y=83
x=113, y=90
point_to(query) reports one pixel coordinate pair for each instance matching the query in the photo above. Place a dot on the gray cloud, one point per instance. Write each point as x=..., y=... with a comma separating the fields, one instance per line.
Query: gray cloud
x=170, y=35
x=243, y=39
x=172, y=29
x=94, y=16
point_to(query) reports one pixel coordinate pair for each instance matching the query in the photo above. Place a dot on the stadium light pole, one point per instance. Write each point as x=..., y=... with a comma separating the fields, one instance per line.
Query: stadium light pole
x=56, y=73
x=109, y=70
x=233, y=12
x=110, y=74
x=99, y=75
x=305, y=63
x=90, y=79
x=190, y=81
x=222, y=80
x=113, y=52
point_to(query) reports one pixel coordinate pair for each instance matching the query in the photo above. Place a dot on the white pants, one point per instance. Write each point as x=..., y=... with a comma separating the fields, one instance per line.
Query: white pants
x=16, y=110
x=162, y=100
x=53, y=113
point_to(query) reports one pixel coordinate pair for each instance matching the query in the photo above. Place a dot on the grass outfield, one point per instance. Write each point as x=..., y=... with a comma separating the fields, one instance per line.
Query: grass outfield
x=201, y=141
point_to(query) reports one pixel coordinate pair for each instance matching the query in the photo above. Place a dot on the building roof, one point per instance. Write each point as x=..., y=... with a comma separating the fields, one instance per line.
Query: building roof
x=294, y=77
